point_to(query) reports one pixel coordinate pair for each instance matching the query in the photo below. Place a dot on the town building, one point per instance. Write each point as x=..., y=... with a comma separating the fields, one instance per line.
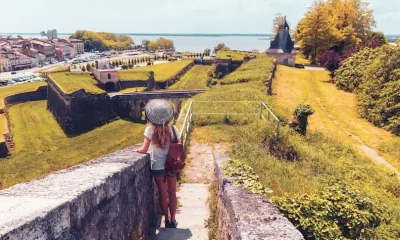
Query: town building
x=52, y=34
x=48, y=50
x=282, y=47
x=106, y=76
x=78, y=45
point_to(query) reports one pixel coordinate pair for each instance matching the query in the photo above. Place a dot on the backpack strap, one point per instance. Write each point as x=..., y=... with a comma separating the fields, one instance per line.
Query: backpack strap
x=175, y=135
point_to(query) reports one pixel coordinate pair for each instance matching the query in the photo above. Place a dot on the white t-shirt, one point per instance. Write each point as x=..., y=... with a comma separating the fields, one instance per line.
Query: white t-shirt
x=158, y=155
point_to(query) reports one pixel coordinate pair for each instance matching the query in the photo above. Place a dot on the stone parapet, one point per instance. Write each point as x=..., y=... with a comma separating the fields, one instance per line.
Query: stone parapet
x=111, y=197
x=247, y=216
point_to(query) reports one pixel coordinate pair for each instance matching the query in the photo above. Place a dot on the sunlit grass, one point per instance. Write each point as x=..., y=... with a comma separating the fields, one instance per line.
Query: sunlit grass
x=164, y=71
x=335, y=110
x=42, y=147
x=195, y=78
x=72, y=82
x=19, y=88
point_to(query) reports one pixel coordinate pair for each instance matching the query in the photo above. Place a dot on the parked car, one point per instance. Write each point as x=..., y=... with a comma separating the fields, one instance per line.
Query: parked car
x=13, y=72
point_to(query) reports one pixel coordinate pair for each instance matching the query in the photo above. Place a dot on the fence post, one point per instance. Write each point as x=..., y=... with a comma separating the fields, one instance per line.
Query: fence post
x=269, y=114
x=261, y=110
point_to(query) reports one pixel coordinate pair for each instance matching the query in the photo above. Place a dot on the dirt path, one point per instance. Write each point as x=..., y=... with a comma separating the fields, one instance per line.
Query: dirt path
x=193, y=195
x=335, y=112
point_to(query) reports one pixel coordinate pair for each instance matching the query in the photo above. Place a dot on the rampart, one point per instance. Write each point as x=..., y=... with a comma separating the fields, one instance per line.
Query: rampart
x=79, y=111
x=149, y=84
x=244, y=215
x=271, y=76
x=111, y=197
x=39, y=94
x=174, y=79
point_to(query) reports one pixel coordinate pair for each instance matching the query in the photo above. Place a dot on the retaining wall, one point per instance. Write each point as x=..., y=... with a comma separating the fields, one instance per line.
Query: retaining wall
x=39, y=94
x=268, y=81
x=148, y=83
x=80, y=111
x=175, y=78
x=111, y=197
x=247, y=216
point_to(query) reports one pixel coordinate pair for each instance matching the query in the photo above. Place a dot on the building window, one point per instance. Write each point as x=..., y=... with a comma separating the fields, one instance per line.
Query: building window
x=109, y=76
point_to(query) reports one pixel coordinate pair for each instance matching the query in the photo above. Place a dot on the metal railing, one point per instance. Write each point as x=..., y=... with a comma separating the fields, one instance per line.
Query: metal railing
x=263, y=109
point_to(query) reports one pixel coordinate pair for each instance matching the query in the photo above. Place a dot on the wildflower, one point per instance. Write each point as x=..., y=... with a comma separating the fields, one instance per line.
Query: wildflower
x=274, y=185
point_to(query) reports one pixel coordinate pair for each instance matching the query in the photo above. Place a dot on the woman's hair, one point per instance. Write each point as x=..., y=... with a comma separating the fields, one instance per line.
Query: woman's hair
x=161, y=135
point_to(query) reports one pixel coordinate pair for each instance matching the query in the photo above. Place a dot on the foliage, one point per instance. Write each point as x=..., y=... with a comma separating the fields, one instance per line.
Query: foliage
x=207, y=52
x=244, y=176
x=338, y=212
x=379, y=95
x=146, y=43
x=72, y=82
x=220, y=46
x=257, y=69
x=380, y=38
x=102, y=40
x=234, y=55
x=334, y=24
x=212, y=221
x=330, y=60
x=163, y=72
x=278, y=20
x=195, y=78
x=42, y=147
x=348, y=77
x=398, y=41
x=161, y=43
x=302, y=111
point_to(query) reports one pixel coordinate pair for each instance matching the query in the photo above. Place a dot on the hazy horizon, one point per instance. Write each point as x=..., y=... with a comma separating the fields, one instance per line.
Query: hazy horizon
x=172, y=16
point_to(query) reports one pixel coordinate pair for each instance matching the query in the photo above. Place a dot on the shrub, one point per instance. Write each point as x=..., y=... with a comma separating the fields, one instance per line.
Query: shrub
x=302, y=112
x=330, y=60
x=334, y=213
x=379, y=94
x=348, y=76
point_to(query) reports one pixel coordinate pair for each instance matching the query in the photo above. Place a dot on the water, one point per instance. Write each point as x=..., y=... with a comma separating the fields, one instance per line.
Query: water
x=195, y=43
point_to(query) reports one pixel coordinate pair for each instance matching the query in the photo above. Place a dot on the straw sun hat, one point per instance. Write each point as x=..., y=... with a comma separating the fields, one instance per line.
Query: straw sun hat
x=159, y=112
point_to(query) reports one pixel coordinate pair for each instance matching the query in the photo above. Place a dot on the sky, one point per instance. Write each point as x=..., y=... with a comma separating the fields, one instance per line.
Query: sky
x=167, y=16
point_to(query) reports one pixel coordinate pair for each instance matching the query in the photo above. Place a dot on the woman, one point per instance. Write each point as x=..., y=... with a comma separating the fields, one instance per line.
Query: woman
x=157, y=136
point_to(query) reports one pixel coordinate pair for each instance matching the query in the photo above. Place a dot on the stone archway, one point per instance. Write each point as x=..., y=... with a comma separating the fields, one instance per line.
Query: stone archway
x=110, y=86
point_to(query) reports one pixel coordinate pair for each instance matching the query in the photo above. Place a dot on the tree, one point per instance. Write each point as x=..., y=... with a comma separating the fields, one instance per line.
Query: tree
x=278, y=20
x=219, y=47
x=301, y=113
x=88, y=68
x=398, y=41
x=145, y=43
x=330, y=60
x=152, y=46
x=207, y=52
x=165, y=44
x=379, y=38
x=316, y=32
x=83, y=68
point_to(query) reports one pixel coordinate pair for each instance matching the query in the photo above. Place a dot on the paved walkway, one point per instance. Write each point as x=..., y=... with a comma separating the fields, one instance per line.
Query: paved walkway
x=193, y=209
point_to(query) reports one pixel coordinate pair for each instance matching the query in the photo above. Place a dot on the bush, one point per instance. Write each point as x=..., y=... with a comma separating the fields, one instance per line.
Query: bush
x=330, y=60
x=379, y=94
x=302, y=112
x=334, y=213
x=348, y=76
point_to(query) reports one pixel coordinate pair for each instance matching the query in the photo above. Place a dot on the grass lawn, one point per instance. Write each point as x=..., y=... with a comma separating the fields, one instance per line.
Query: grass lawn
x=42, y=147
x=129, y=75
x=20, y=88
x=72, y=82
x=319, y=158
x=254, y=70
x=195, y=78
x=164, y=71
x=335, y=110
x=236, y=56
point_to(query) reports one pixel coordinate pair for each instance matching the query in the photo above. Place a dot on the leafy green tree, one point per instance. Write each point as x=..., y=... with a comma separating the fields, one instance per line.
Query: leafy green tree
x=83, y=69
x=207, y=52
x=302, y=112
x=379, y=95
x=380, y=38
x=88, y=67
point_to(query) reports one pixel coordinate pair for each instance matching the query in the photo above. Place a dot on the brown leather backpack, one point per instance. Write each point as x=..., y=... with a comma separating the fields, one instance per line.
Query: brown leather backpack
x=176, y=155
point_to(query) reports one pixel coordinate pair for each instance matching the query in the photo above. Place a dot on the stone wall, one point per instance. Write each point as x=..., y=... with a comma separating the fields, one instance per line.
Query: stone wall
x=149, y=84
x=280, y=58
x=247, y=216
x=175, y=78
x=80, y=111
x=271, y=76
x=111, y=197
x=225, y=66
x=38, y=94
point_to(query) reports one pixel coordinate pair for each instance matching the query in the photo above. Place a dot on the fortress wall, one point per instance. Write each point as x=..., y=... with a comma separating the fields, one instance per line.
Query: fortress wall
x=149, y=83
x=80, y=111
x=111, y=197
x=175, y=78
x=245, y=215
x=39, y=94
x=268, y=81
